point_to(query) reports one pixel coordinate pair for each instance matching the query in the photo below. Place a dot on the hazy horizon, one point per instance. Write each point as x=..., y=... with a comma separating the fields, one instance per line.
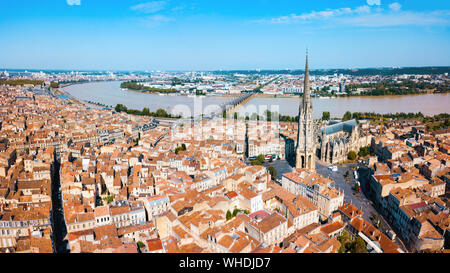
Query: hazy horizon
x=217, y=70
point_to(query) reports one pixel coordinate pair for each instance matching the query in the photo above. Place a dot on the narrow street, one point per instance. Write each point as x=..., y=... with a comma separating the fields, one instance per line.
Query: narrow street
x=59, y=226
x=350, y=196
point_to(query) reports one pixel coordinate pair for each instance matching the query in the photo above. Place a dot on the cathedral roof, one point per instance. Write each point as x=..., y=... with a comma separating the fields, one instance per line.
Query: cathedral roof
x=341, y=126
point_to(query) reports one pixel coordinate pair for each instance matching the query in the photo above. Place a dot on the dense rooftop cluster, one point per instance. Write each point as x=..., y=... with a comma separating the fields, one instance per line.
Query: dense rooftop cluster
x=120, y=183
x=409, y=183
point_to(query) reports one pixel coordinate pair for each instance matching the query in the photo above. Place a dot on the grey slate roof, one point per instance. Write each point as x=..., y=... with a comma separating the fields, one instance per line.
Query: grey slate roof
x=347, y=126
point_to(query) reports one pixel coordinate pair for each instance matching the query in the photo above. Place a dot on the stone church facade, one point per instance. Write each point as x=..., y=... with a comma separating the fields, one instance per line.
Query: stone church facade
x=338, y=138
x=330, y=143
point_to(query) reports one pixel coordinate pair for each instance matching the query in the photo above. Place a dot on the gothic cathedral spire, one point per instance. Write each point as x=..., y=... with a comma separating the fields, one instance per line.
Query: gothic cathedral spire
x=305, y=157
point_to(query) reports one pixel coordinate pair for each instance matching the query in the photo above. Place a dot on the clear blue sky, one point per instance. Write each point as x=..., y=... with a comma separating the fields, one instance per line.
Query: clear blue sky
x=222, y=34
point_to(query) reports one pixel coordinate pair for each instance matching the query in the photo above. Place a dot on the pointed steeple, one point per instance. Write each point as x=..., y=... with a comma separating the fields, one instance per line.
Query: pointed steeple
x=305, y=137
x=306, y=92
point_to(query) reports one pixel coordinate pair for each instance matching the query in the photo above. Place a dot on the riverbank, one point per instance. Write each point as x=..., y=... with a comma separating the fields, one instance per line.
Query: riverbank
x=342, y=96
x=61, y=91
x=109, y=93
x=217, y=95
x=257, y=95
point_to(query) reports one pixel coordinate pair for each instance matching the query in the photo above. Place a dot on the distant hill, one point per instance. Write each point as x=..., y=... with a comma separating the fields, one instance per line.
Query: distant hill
x=353, y=72
x=387, y=71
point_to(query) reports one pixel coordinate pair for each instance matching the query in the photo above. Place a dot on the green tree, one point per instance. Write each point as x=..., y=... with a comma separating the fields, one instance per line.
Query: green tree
x=180, y=148
x=256, y=162
x=261, y=158
x=161, y=113
x=120, y=108
x=273, y=172
x=345, y=241
x=146, y=111
x=363, y=151
x=347, y=116
x=344, y=237
x=351, y=155
x=235, y=212
x=109, y=199
x=140, y=244
x=229, y=215
x=326, y=115
x=359, y=246
x=342, y=248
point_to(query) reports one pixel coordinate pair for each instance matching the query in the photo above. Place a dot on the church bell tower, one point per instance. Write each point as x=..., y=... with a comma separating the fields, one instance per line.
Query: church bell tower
x=305, y=141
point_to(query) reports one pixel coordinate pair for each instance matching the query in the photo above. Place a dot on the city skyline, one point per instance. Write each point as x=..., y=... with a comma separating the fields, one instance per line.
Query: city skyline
x=203, y=36
x=224, y=127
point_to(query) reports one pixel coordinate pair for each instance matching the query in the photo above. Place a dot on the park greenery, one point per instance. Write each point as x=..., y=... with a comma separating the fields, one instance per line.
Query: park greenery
x=326, y=115
x=347, y=116
x=180, y=148
x=21, y=82
x=160, y=113
x=109, y=199
x=350, y=245
x=134, y=85
x=432, y=123
x=231, y=215
x=405, y=87
x=364, y=151
x=438, y=122
x=259, y=160
x=268, y=116
x=398, y=116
